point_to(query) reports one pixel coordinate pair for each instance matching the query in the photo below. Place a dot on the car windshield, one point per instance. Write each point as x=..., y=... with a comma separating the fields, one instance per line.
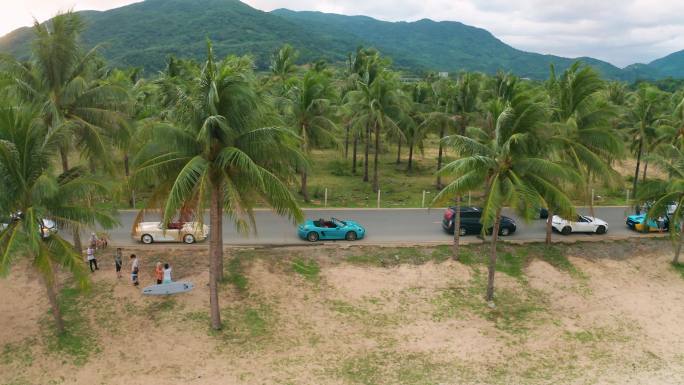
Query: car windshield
x=338, y=222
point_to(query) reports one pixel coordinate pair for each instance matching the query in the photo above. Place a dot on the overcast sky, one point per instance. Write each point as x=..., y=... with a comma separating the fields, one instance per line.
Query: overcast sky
x=619, y=31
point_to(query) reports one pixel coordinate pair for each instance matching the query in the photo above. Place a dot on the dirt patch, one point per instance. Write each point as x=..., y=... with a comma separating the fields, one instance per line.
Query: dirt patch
x=610, y=319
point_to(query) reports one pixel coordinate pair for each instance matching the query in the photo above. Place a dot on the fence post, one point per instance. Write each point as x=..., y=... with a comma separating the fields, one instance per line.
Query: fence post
x=378, y=198
x=325, y=201
x=469, y=199
x=423, y=202
x=592, y=197
x=627, y=201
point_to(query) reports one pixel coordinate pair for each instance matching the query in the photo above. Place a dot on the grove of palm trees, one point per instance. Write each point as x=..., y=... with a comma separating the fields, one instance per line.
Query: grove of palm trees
x=80, y=140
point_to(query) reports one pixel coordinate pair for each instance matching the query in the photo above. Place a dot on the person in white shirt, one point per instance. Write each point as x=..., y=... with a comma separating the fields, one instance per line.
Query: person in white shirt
x=134, y=269
x=92, y=261
x=167, y=273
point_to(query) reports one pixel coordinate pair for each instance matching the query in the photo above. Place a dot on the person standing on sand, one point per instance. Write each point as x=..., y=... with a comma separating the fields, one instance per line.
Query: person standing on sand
x=134, y=269
x=167, y=273
x=90, y=255
x=118, y=262
x=159, y=273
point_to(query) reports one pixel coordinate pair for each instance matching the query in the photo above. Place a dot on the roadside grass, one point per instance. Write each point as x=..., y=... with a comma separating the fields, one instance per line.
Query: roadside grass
x=516, y=310
x=389, y=367
x=307, y=268
x=79, y=341
x=19, y=353
x=678, y=267
x=236, y=275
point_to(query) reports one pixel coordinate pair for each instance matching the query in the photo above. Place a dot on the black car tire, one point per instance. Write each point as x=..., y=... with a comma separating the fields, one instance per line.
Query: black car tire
x=566, y=230
x=146, y=239
x=188, y=239
x=504, y=231
x=601, y=230
x=350, y=236
x=312, y=236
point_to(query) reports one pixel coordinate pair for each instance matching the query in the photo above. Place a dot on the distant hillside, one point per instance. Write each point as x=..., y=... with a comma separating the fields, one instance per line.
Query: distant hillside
x=145, y=33
x=445, y=46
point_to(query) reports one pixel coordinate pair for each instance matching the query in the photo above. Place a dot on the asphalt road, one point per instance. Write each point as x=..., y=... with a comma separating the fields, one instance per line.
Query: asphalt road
x=389, y=226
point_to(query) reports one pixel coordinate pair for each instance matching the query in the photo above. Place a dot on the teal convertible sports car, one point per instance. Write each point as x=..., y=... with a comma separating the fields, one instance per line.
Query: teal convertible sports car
x=333, y=229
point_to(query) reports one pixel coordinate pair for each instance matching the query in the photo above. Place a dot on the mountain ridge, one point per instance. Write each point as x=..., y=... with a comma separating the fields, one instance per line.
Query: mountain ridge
x=145, y=33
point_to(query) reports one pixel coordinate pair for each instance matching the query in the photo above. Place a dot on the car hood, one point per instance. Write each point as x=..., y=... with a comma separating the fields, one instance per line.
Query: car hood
x=597, y=221
x=638, y=218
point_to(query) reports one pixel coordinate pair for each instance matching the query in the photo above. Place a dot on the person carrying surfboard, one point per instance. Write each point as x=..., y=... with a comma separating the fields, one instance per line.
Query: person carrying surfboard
x=134, y=269
x=159, y=273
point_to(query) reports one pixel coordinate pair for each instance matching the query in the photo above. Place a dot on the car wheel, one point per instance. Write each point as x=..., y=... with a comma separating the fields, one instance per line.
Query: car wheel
x=505, y=231
x=351, y=236
x=566, y=230
x=462, y=231
x=601, y=230
x=189, y=238
x=146, y=239
x=312, y=236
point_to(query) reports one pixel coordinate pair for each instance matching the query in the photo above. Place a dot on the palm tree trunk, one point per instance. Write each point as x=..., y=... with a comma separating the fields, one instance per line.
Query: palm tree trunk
x=410, y=158
x=457, y=229
x=376, y=182
x=491, y=269
x=399, y=151
x=49, y=283
x=549, y=226
x=64, y=155
x=305, y=192
x=346, y=142
x=127, y=171
x=439, y=158
x=365, y=160
x=636, y=172
x=356, y=143
x=214, y=246
x=678, y=250
x=645, y=169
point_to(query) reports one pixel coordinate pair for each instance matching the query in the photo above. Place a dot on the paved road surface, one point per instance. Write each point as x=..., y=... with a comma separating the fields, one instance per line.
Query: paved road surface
x=382, y=226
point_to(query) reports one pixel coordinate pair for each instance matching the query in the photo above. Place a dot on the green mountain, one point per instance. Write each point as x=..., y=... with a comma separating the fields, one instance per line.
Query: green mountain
x=145, y=33
x=671, y=65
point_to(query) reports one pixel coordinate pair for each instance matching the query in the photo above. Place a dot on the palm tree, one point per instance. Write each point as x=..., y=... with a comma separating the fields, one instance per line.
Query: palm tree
x=581, y=134
x=67, y=85
x=310, y=113
x=283, y=66
x=441, y=119
x=508, y=167
x=378, y=106
x=33, y=193
x=670, y=159
x=218, y=148
x=641, y=119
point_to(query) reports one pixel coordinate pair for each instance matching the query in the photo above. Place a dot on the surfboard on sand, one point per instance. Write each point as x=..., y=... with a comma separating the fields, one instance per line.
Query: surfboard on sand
x=168, y=288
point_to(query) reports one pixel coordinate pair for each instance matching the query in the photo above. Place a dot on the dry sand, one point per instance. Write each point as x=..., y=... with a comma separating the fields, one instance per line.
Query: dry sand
x=617, y=322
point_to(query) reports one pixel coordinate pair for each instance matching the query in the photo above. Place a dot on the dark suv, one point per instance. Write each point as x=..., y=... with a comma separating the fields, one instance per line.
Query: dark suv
x=470, y=222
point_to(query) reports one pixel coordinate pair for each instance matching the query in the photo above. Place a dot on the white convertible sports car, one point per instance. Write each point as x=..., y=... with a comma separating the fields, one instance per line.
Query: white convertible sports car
x=582, y=224
x=186, y=232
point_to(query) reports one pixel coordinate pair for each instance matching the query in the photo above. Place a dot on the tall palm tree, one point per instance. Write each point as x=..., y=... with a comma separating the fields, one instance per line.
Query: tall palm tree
x=218, y=148
x=508, y=167
x=378, y=105
x=581, y=133
x=442, y=118
x=33, y=193
x=310, y=113
x=68, y=86
x=283, y=66
x=670, y=159
x=641, y=120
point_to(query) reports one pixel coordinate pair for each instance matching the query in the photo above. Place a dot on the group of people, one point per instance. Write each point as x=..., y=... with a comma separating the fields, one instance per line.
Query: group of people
x=162, y=273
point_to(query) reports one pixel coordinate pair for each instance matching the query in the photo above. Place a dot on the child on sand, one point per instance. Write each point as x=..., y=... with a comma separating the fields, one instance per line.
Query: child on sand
x=159, y=273
x=134, y=269
x=167, y=273
x=118, y=262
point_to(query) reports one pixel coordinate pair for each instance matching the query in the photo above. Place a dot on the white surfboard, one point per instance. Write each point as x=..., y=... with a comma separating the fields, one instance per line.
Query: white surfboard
x=168, y=288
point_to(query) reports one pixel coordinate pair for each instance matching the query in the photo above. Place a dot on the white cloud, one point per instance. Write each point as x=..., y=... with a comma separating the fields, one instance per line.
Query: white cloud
x=619, y=31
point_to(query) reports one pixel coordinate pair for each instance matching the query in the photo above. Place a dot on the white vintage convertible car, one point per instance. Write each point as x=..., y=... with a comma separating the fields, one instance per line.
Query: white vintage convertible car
x=581, y=224
x=186, y=232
